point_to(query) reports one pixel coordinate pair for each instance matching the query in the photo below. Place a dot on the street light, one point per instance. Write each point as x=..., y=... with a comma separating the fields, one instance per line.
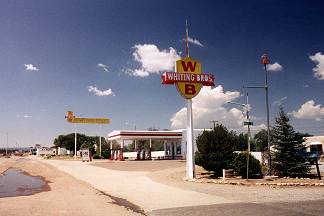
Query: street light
x=265, y=61
x=246, y=106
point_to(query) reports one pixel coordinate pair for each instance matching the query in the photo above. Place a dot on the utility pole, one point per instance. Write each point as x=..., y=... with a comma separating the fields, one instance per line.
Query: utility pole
x=214, y=122
x=249, y=135
x=265, y=61
x=7, y=144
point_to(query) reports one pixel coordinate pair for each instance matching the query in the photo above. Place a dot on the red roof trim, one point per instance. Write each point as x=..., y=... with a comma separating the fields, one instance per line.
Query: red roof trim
x=147, y=135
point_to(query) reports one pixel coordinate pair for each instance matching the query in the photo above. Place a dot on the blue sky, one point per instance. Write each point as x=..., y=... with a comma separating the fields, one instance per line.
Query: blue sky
x=54, y=55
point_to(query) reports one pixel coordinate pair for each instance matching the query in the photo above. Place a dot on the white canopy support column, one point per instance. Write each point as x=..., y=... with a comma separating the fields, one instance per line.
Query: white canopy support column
x=150, y=150
x=100, y=140
x=121, y=155
x=111, y=151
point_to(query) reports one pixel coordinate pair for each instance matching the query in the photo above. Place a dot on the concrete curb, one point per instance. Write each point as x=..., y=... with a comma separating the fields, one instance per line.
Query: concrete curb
x=297, y=184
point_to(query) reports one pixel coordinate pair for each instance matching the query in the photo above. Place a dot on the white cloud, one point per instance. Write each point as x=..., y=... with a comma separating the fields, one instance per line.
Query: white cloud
x=306, y=86
x=275, y=67
x=31, y=67
x=280, y=101
x=309, y=111
x=318, y=58
x=152, y=60
x=103, y=66
x=209, y=105
x=99, y=92
x=23, y=116
x=193, y=41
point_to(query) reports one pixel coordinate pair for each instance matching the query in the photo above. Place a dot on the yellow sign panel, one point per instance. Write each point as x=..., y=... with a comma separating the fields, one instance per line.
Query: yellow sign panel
x=188, y=65
x=91, y=120
x=72, y=119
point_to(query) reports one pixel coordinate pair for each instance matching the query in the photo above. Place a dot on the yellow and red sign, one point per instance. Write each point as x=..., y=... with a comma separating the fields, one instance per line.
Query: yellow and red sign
x=69, y=116
x=72, y=119
x=188, y=77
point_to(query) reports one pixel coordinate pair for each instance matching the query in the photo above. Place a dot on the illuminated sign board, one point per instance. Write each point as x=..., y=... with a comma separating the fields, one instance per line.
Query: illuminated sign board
x=188, y=77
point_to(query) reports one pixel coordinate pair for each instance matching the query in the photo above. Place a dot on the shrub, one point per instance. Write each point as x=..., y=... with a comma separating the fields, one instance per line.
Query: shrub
x=97, y=156
x=239, y=166
x=215, y=149
x=48, y=156
x=105, y=154
x=212, y=162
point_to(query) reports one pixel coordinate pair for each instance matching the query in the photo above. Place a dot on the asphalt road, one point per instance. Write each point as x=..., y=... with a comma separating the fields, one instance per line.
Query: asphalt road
x=310, y=208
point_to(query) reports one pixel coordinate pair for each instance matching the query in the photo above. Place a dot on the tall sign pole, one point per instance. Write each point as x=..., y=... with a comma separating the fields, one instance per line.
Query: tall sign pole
x=189, y=79
x=190, y=159
x=190, y=162
x=187, y=40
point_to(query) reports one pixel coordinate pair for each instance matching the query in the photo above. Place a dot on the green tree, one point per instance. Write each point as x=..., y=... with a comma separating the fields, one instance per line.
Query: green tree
x=287, y=157
x=261, y=140
x=67, y=141
x=242, y=143
x=302, y=135
x=215, y=149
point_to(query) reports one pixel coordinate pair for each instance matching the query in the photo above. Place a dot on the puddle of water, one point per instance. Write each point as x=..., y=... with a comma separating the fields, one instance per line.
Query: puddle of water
x=15, y=182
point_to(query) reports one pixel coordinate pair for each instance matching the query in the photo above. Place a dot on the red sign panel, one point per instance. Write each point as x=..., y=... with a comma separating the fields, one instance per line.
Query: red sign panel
x=174, y=77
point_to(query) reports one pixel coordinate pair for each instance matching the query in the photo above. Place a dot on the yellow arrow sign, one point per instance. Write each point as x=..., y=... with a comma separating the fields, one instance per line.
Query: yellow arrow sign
x=72, y=119
x=91, y=120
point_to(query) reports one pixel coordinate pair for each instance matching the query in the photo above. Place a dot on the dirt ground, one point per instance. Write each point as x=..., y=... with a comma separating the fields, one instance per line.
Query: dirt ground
x=67, y=196
x=146, y=166
x=172, y=173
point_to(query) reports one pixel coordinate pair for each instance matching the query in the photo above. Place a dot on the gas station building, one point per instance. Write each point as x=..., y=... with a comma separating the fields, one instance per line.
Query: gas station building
x=175, y=142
